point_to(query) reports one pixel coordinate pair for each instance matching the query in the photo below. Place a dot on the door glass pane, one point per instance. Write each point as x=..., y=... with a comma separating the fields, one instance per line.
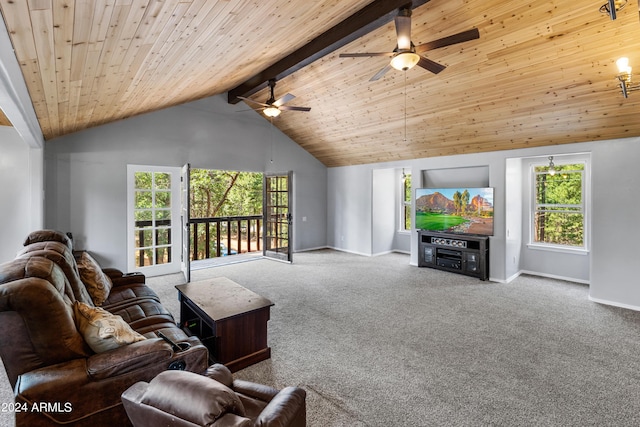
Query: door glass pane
x=143, y=199
x=162, y=181
x=144, y=238
x=163, y=215
x=152, y=213
x=143, y=180
x=143, y=215
x=163, y=199
x=164, y=236
x=163, y=255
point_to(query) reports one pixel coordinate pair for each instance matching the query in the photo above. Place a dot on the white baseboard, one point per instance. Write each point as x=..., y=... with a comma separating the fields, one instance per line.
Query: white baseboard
x=312, y=249
x=554, y=276
x=392, y=251
x=614, y=303
x=382, y=253
x=348, y=251
x=512, y=278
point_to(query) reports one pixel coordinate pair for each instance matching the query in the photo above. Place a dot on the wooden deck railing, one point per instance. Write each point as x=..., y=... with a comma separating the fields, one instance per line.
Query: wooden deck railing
x=237, y=234
x=241, y=233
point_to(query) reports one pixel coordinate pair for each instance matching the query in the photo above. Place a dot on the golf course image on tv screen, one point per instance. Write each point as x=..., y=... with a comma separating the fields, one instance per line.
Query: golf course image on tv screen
x=455, y=210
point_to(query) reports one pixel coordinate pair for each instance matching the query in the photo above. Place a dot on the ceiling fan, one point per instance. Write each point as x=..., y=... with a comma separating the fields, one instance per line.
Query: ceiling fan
x=406, y=54
x=273, y=107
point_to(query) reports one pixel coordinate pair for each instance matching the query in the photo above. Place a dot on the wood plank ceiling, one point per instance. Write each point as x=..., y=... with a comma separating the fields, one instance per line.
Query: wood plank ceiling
x=4, y=121
x=542, y=72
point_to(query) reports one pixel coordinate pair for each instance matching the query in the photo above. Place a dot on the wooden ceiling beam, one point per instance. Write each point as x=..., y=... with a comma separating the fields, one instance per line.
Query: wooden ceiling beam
x=367, y=19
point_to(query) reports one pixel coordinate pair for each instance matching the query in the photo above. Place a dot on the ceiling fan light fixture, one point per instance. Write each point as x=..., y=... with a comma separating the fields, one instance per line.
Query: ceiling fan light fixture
x=611, y=7
x=405, y=60
x=271, y=111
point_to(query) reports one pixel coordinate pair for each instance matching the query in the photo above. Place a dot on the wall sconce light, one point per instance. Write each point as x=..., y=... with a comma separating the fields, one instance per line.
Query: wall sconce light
x=552, y=167
x=612, y=6
x=624, y=75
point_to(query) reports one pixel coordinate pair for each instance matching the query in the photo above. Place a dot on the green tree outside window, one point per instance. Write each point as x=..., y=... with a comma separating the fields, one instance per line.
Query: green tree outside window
x=559, y=205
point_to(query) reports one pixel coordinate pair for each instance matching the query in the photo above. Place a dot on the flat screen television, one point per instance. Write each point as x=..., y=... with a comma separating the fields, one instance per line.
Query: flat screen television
x=455, y=210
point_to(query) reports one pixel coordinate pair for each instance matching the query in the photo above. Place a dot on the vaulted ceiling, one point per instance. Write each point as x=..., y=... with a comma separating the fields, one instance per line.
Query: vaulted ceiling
x=541, y=73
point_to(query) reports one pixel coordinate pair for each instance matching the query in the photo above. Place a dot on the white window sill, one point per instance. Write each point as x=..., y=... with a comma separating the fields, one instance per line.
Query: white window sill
x=404, y=232
x=558, y=248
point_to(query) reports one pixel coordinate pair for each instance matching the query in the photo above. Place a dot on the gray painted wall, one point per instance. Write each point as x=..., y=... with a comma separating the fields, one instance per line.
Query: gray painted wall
x=384, y=210
x=616, y=229
x=514, y=211
x=20, y=191
x=86, y=171
x=349, y=207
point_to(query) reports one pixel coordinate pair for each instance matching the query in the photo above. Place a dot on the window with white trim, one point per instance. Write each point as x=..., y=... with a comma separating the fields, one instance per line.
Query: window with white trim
x=559, y=215
x=405, y=202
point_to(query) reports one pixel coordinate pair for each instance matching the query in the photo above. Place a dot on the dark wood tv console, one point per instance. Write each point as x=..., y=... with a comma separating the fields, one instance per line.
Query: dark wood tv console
x=457, y=253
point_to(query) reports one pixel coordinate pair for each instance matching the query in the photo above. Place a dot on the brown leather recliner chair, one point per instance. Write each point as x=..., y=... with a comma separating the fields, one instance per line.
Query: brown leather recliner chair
x=186, y=399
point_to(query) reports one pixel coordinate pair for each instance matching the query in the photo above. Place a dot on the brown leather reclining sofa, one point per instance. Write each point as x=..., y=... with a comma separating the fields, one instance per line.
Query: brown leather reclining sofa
x=64, y=356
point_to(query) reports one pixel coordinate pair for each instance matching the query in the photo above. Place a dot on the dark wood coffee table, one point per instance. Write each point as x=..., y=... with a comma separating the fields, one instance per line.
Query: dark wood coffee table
x=230, y=320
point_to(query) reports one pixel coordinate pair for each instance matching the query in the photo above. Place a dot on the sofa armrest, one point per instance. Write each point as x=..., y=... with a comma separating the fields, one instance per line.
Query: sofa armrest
x=257, y=391
x=287, y=408
x=128, y=358
x=144, y=354
x=118, y=278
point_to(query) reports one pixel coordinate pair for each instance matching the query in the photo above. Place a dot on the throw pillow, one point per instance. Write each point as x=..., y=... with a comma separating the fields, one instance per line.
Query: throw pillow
x=102, y=330
x=98, y=284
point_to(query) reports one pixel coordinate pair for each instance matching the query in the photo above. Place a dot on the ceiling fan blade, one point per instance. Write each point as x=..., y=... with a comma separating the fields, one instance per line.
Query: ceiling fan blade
x=288, y=108
x=380, y=73
x=361, y=55
x=284, y=99
x=430, y=65
x=403, y=31
x=448, y=41
x=255, y=102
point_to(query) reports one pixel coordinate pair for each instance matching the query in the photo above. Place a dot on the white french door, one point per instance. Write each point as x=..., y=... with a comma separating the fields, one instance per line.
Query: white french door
x=185, y=213
x=153, y=219
x=276, y=202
